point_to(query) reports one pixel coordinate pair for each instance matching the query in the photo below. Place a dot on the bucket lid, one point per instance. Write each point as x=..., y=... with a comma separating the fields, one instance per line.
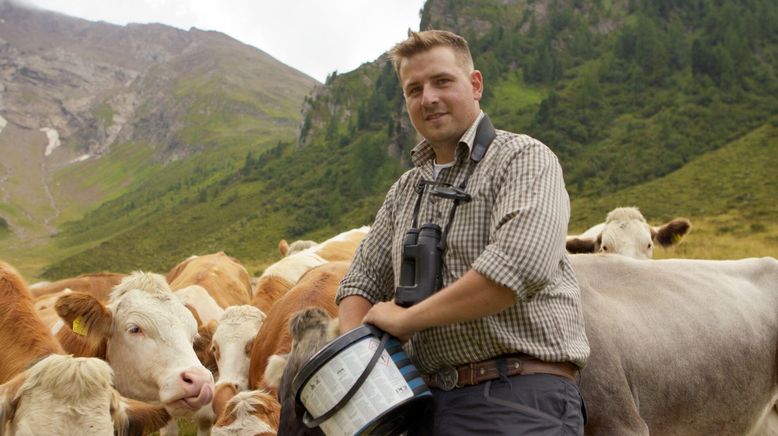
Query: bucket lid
x=321, y=357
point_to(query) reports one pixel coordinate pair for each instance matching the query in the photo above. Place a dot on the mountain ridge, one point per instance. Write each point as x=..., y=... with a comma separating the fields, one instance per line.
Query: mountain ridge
x=626, y=93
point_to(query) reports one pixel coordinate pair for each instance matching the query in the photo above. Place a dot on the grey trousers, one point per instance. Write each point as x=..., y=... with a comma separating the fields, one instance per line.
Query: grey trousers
x=537, y=404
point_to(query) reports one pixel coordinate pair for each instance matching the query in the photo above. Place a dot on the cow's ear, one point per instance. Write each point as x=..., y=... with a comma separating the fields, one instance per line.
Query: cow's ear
x=10, y=393
x=672, y=232
x=283, y=247
x=195, y=314
x=578, y=245
x=274, y=371
x=202, y=345
x=222, y=394
x=132, y=417
x=85, y=316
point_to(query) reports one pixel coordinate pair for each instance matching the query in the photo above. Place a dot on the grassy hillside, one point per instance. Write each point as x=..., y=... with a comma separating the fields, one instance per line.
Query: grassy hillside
x=728, y=194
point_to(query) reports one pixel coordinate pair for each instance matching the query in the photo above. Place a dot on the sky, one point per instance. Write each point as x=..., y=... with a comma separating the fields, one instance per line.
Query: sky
x=316, y=37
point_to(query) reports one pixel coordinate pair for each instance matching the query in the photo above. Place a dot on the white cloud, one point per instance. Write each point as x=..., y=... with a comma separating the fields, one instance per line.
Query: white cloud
x=314, y=36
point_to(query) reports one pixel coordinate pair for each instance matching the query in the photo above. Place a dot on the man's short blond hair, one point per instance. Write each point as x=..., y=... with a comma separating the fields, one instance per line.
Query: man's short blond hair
x=419, y=42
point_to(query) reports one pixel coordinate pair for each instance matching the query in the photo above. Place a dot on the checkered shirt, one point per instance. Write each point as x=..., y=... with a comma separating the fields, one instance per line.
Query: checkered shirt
x=512, y=232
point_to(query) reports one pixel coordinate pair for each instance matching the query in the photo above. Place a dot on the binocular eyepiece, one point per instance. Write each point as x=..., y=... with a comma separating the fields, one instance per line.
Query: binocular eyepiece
x=422, y=262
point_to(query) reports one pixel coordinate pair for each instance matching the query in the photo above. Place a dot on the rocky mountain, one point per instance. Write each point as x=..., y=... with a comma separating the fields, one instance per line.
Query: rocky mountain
x=665, y=105
x=73, y=92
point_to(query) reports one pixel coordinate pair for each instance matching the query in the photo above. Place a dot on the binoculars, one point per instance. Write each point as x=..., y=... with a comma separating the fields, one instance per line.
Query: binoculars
x=422, y=262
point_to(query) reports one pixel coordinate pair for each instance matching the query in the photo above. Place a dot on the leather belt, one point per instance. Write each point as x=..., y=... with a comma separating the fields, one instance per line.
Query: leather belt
x=450, y=377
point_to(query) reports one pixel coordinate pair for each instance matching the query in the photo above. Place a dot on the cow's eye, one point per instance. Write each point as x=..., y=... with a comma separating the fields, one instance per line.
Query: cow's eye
x=134, y=330
x=604, y=248
x=649, y=246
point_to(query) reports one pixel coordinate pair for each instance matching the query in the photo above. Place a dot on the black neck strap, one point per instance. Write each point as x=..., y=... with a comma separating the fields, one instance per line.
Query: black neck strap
x=484, y=135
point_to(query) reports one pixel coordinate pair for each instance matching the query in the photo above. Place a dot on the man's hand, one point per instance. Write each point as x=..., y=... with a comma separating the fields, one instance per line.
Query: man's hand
x=392, y=319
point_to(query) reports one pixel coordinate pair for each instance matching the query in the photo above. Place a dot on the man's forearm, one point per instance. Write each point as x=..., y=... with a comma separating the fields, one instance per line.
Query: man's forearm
x=351, y=311
x=472, y=296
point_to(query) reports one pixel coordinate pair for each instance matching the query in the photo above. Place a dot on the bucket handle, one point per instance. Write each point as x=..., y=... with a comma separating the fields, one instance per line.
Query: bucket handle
x=311, y=422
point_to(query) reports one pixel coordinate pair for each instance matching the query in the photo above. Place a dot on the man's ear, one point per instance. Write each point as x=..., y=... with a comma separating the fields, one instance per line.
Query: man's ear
x=10, y=393
x=477, y=80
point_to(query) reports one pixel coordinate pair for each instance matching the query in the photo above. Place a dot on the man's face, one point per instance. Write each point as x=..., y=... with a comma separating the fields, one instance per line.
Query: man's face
x=441, y=96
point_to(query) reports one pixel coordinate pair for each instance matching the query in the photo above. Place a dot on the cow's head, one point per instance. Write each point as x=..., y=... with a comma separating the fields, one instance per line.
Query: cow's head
x=232, y=341
x=249, y=412
x=73, y=395
x=311, y=330
x=149, y=335
x=627, y=233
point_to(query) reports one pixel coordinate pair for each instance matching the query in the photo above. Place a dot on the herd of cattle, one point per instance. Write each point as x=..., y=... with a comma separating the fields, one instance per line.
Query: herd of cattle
x=678, y=346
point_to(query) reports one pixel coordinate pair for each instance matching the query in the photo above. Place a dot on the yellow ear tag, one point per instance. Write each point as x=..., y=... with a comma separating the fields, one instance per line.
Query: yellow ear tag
x=79, y=327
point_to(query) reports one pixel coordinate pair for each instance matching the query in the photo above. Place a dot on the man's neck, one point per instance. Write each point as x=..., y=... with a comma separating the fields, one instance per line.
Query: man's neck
x=444, y=153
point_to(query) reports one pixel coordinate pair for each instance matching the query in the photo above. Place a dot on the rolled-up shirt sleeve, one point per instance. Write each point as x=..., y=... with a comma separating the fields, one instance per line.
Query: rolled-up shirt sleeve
x=370, y=274
x=529, y=223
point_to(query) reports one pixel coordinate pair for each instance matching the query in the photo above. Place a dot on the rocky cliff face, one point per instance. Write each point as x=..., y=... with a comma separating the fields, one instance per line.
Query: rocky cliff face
x=72, y=90
x=76, y=79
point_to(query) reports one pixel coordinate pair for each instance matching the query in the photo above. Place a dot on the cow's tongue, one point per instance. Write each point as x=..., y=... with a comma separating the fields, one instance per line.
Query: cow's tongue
x=205, y=397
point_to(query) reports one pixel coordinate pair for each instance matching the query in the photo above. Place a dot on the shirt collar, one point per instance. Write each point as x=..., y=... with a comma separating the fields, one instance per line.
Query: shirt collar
x=422, y=153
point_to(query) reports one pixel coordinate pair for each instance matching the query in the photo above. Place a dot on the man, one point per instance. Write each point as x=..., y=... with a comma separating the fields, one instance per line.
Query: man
x=501, y=342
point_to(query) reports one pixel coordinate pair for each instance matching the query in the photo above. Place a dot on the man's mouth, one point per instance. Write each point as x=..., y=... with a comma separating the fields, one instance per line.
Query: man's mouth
x=435, y=116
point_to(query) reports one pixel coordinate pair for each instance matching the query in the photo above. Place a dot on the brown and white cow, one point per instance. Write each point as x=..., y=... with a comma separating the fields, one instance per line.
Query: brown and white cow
x=232, y=341
x=224, y=277
x=26, y=345
x=311, y=330
x=279, y=277
x=97, y=284
x=678, y=347
x=626, y=232
x=73, y=396
x=202, y=304
x=316, y=288
x=249, y=413
x=23, y=337
x=146, y=334
x=287, y=249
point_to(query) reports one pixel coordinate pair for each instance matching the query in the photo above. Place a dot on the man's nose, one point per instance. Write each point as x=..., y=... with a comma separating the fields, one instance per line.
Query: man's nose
x=430, y=96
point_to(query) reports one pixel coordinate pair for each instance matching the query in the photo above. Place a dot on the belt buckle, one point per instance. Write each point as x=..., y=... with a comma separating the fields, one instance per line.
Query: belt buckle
x=447, y=377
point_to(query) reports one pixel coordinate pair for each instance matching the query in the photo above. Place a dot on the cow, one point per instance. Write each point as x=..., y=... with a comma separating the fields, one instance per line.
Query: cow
x=201, y=303
x=249, y=413
x=146, y=334
x=232, y=341
x=225, y=279
x=287, y=249
x=316, y=288
x=23, y=337
x=626, y=232
x=29, y=351
x=44, y=308
x=311, y=330
x=73, y=395
x=279, y=277
x=97, y=284
x=678, y=347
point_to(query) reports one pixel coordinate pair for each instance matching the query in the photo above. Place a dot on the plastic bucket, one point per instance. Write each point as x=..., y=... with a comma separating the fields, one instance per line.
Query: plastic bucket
x=344, y=396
